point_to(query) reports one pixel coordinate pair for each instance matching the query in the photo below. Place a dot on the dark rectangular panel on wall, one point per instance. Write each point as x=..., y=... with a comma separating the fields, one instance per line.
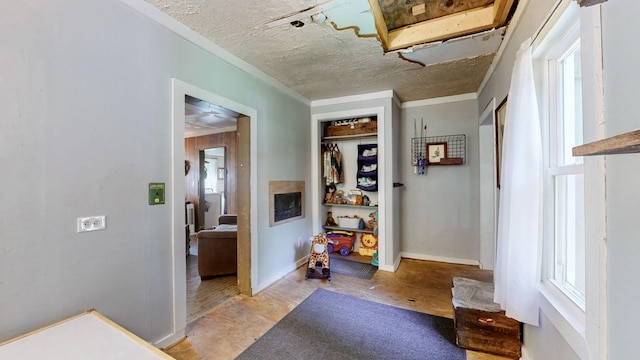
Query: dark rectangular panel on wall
x=192, y=148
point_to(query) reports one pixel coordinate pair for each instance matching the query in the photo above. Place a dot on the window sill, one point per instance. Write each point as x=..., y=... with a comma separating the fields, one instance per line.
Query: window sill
x=566, y=316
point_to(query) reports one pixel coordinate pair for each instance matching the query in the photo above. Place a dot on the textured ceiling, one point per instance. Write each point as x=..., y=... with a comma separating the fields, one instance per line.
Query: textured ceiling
x=202, y=118
x=320, y=62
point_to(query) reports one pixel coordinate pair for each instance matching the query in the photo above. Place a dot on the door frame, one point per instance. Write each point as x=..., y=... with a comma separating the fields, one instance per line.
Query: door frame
x=488, y=185
x=247, y=219
x=386, y=231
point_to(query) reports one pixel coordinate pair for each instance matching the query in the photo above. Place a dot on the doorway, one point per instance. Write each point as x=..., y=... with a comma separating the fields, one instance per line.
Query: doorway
x=212, y=195
x=211, y=146
x=246, y=165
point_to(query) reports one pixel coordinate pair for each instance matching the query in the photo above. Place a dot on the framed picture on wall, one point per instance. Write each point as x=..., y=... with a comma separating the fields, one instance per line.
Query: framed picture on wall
x=220, y=173
x=436, y=152
x=500, y=119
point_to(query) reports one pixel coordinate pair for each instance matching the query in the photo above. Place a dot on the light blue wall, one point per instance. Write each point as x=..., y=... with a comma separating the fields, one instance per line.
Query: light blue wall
x=544, y=342
x=621, y=78
x=85, y=109
x=441, y=208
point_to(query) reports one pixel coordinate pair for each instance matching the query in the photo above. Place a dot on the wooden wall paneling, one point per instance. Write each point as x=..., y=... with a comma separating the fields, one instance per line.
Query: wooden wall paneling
x=243, y=203
x=192, y=148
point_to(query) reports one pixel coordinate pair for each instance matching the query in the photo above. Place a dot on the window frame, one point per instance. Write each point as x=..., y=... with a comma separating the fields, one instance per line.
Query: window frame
x=568, y=316
x=556, y=167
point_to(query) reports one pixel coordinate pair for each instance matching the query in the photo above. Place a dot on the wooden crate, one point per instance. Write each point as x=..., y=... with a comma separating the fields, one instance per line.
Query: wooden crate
x=489, y=332
x=370, y=127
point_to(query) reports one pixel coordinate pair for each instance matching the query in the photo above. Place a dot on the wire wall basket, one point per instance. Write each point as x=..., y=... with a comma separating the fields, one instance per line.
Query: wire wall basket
x=455, y=150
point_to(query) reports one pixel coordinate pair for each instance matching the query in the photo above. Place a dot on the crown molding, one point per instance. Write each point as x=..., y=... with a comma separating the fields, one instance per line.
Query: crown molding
x=188, y=34
x=386, y=94
x=440, y=100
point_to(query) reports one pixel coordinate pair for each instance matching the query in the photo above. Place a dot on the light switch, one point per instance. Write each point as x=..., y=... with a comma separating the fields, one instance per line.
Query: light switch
x=156, y=193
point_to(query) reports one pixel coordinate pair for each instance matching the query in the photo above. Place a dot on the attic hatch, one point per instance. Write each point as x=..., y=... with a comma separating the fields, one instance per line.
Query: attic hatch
x=401, y=24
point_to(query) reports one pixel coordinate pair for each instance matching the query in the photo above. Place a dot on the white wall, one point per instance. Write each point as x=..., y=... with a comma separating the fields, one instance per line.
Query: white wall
x=85, y=103
x=621, y=79
x=440, y=210
x=612, y=288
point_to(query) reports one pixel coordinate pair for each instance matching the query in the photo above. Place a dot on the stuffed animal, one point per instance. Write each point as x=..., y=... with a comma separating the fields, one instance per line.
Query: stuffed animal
x=330, y=220
x=319, y=255
x=328, y=197
x=373, y=222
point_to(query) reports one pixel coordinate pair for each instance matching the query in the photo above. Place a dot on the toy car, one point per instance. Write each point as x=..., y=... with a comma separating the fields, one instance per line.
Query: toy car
x=341, y=241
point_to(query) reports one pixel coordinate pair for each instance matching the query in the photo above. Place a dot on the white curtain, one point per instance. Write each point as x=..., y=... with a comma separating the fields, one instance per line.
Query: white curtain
x=517, y=272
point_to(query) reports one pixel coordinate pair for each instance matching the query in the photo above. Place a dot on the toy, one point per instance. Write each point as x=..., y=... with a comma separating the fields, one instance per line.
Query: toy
x=328, y=197
x=341, y=241
x=368, y=244
x=319, y=257
x=330, y=220
x=374, y=259
x=373, y=221
x=365, y=200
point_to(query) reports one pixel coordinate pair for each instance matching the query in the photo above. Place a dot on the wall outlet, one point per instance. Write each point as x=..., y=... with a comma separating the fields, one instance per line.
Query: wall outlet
x=92, y=223
x=299, y=241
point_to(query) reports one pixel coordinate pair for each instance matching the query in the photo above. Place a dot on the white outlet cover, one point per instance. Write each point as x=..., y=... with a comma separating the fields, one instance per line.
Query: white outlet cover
x=92, y=223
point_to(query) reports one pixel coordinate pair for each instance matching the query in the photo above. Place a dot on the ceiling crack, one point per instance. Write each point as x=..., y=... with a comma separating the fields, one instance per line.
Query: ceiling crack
x=409, y=60
x=356, y=30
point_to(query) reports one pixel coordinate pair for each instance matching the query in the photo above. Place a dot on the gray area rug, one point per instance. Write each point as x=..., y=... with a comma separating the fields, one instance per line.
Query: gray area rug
x=352, y=268
x=330, y=326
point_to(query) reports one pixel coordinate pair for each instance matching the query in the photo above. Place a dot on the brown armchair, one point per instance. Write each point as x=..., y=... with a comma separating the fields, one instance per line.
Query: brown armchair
x=218, y=248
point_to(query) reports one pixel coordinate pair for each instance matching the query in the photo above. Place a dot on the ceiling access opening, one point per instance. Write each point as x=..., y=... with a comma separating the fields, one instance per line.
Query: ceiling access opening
x=402, y=24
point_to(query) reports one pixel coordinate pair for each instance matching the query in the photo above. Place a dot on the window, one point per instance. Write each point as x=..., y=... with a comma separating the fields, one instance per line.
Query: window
x=566, y=173
x=211, y=177
x=564, y=226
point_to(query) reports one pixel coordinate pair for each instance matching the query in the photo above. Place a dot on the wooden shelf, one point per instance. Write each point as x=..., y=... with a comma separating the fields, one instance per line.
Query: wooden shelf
x=348, y=229
x=349, y=137
x=626, y=143
x=351, y=206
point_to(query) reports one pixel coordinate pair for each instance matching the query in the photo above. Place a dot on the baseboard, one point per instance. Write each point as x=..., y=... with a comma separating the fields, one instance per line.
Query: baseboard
x=525, y=354
x=170, y=339
x=391, y=268
x=263, y=285
x=440, y=259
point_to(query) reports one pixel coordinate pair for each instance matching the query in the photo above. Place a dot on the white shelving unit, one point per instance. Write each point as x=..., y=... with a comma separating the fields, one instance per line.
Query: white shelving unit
x=383, y=107
x=348, y=146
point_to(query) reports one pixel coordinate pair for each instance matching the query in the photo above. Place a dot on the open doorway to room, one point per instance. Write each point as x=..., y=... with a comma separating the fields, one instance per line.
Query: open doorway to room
x=210, y=130
x=218, y=163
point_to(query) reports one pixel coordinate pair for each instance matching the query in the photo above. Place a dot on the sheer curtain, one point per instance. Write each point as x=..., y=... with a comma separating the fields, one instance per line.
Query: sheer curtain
x=519, y=218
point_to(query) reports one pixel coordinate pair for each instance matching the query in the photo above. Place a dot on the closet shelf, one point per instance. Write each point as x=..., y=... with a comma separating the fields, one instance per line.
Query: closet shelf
x=351, y=206
x=349, y=137
x=347, y=229
x=626, y=143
